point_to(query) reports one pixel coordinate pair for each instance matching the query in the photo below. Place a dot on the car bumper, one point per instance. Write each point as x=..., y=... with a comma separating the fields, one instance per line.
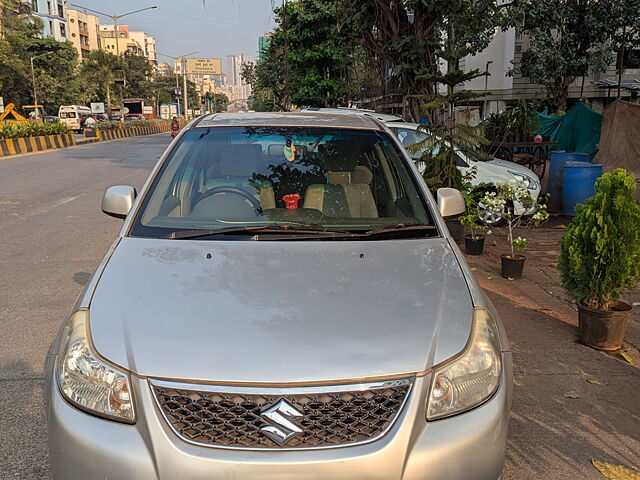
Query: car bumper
x=467, y=446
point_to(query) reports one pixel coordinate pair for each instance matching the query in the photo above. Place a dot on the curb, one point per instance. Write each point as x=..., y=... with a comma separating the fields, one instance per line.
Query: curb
x=18, y=146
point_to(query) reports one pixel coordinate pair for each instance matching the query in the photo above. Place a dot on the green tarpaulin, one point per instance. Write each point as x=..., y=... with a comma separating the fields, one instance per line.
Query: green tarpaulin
x=577, y=131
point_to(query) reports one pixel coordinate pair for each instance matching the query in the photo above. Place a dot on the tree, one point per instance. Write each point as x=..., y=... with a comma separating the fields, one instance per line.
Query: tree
x=569, y=38
x=97, y=72
x=308, y=61
x=405, y=38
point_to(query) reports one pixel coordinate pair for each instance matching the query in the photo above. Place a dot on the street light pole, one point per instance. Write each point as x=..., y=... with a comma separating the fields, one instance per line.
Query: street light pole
x=186, y=97
x=486, y=88
x=115, y=19
x=33, y=79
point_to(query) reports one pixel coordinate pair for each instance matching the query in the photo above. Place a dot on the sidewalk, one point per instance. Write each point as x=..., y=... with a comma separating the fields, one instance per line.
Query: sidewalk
x=571, y=403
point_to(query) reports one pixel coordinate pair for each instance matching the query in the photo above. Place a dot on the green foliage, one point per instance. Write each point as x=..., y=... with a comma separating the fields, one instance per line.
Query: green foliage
x=409, y=35
x=600, y=253
x=31, y=129
x=472, y=197
x=519, y=120
x=569, y=39
x=55, y=68
x=501, y=202
x=308, y=62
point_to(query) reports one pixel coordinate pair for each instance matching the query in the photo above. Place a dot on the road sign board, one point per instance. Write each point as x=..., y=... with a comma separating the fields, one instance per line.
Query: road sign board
x=97, y=107
x=196, y=111
x=204, y=66
x=147, y=110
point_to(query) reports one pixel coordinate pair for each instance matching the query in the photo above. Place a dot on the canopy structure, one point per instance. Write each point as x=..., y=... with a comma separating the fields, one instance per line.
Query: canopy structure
x=620, y=145
x=576, y=131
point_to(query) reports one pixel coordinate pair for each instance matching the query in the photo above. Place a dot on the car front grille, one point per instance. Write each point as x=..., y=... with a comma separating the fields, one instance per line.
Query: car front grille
x=310, y=417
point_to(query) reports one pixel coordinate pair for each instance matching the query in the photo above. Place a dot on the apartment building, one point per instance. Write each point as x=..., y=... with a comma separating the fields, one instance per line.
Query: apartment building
x=52, y=13
x=84, y=31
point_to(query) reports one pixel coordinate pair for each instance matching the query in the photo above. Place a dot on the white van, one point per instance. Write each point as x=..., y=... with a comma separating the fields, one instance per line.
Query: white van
x=71, y=116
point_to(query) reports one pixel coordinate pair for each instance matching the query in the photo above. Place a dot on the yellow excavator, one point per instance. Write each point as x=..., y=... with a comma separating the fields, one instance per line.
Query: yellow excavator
x=10, y=111
x=35, y=113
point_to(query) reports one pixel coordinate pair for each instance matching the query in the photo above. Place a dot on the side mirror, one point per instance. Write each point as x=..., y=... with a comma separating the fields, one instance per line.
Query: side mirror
x=117, y=201
x=450, y=202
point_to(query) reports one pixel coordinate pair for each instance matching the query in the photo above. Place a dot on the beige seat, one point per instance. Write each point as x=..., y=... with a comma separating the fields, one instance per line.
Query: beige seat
x=347, y=192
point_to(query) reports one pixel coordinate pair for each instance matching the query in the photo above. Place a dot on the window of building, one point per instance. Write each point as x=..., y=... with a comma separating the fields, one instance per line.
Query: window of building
x=34, y=5
x=60, y=9
x=631, y=59
x=50, y=27
x=72, y=20
x=63, y=30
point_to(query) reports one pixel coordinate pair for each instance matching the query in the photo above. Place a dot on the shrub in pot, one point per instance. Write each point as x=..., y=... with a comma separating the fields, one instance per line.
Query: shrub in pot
x=501, y=202
x=473, y=239
x=600, y=258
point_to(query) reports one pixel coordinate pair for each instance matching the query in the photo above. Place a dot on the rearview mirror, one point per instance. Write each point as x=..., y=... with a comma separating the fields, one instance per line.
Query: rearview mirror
x=118, y=200
x=450, y=202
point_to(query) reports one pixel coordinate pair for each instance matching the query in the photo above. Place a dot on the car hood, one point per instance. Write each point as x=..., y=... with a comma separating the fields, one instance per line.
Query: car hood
x=280, y=312
x=514, y=167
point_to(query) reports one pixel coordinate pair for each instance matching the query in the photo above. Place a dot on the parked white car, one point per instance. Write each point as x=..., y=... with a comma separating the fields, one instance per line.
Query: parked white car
x=492, y=171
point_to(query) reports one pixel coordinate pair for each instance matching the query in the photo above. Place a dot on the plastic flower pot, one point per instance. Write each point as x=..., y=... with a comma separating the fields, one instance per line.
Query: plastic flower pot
x=603, y=329
x=511, y=267
x=474, y=244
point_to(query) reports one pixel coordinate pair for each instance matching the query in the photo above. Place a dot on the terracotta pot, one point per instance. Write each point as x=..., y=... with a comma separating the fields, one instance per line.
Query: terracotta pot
x=511, y=267
x=474, y=245
x=603, y=329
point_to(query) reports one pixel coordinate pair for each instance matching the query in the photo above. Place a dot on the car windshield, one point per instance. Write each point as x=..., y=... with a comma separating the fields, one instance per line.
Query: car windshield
x=67, y=114
x=342, y=180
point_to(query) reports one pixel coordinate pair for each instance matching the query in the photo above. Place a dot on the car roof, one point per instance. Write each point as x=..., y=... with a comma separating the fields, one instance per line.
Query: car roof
x=407, y=125
x=290, y=119
x=385, y=117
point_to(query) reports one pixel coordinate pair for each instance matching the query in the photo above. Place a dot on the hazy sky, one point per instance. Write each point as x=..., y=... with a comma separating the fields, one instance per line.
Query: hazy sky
x=217, y=29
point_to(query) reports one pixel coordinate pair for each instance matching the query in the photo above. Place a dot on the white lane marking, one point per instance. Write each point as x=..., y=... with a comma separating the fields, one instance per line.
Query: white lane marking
x=57, y=204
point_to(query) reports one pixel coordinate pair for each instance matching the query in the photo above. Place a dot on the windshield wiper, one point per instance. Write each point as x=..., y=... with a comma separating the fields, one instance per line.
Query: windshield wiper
x=399, y=228
x=255, y=229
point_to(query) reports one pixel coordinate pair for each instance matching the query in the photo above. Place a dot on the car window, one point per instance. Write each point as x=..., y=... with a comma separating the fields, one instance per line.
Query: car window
x=408, y=137
x=354, y=180
x=67, y=114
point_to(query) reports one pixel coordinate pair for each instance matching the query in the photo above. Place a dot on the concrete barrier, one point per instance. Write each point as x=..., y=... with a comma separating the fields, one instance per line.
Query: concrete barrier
x=17, y=146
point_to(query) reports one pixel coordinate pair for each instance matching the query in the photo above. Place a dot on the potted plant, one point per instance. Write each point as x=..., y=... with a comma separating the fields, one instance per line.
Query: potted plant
x=600, y=258
x=474, y=239
x=501, y=202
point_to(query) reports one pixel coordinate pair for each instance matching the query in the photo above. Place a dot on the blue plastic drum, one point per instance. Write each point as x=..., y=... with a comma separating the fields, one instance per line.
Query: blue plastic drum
x=554, y=183
x=578, y=184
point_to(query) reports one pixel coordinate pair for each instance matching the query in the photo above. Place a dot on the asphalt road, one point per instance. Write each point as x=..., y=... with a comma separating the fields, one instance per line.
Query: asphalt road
x=53, y=235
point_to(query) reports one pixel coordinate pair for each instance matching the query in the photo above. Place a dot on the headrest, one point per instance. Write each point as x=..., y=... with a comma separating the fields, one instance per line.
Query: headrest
x=276, y=150
x=339, y=156
x=361, y=174
x=239, y=160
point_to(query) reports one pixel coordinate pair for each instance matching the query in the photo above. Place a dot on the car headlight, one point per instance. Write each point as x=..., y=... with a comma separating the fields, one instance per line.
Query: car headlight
x=530, y=183
x=473, y=377
x=87, y=381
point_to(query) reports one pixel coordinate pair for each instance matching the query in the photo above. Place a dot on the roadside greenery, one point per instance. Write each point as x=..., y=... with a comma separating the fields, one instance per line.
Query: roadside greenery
x=600, y=253
x=31, y=129
x=111, y=125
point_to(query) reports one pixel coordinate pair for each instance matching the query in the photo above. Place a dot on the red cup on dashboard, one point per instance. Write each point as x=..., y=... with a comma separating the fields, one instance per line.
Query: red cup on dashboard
x=291, y=201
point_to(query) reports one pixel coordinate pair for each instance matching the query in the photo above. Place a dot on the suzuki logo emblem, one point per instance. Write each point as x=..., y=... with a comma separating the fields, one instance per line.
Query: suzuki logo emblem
x=281, y=428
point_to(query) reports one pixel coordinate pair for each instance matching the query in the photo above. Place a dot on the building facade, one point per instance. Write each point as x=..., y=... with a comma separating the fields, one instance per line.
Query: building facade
x=53, y=15
x=83, y=29
x=147, y=43
x=120, y=41
x=505, y=85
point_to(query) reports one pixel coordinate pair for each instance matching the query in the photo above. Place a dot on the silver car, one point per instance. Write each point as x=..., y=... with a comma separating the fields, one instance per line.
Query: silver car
x=283, y=301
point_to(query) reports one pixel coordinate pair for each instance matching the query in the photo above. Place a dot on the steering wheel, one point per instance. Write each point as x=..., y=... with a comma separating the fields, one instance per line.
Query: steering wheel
x=236, y=191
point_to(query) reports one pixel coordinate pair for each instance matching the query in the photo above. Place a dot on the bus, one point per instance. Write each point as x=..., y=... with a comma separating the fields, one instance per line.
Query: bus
x=71, y=116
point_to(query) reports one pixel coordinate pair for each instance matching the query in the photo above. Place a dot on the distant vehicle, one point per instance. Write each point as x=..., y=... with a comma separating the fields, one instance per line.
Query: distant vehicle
x=134, y=116
x=51, y=119
x=383, y=117
x=34, y=112
x=71, y=116
x=101, y=117
x=115, y=116
x=136, y=106
x=487, y=171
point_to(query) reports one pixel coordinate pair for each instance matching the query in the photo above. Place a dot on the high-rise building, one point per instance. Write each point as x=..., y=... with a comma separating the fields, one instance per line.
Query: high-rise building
x=263, y=43
x=148, y=43
x=52, y=13
x=137, y=43
x=239, y=89
x=164, y=69
x=83, y=31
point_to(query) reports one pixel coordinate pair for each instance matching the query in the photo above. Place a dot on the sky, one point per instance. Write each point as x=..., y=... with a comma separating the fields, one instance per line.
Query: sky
x=216, y=28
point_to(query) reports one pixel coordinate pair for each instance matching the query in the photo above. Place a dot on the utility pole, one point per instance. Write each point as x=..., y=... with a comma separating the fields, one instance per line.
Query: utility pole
x=286, y=55
x=184, y=78
x=486, y=88
x=182, y=59
x=115, y=19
